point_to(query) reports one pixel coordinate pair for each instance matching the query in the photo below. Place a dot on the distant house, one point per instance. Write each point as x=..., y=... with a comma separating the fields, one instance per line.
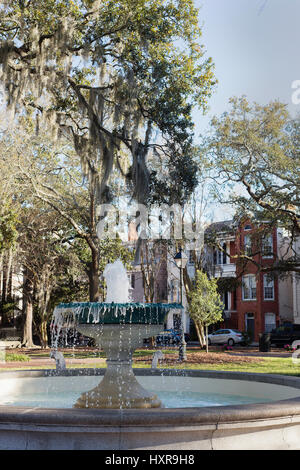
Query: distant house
x=260, y=301
x=289, y=286
x=150, y=266
x=256, y=302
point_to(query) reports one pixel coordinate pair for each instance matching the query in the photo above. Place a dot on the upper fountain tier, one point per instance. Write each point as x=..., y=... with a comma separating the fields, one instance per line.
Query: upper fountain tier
x=116, y=313
x=117, y=308
x=119, y=327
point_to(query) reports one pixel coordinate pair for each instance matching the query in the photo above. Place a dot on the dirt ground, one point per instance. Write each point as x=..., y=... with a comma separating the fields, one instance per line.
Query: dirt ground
x=204, y=358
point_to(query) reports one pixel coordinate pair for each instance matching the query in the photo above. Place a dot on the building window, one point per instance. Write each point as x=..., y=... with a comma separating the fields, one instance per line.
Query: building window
x=234, y=300
x=249, y=287
x=224, y=253
x=217, y=257
x=270, y=322
x=191, y=257
x=247, y=227
x=225, y=300
x=220, y=256
x=268, y=287
x=267, y=246
x=132, y=281
x=247, y=244
x=175, y=291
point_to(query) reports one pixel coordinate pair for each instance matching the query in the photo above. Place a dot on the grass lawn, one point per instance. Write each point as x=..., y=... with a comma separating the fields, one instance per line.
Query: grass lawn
x=200, y=360
x=265, y=366
x=196, y=359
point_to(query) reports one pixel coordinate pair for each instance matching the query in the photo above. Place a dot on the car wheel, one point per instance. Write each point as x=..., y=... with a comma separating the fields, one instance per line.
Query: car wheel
x=230, y=342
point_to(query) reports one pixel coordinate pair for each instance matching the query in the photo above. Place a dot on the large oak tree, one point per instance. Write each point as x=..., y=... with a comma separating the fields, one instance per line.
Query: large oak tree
x=255, y=155
x=121, y=78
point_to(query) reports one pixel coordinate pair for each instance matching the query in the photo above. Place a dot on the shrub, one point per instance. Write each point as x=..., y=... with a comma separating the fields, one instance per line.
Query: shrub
x=11, y=357
x=288, y=347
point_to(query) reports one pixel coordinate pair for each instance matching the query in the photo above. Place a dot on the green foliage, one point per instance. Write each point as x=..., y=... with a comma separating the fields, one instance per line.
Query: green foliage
x=13, y=357
x=254, y=152
x=113, y=249
x=143, y=67
x=258, y=147
x=228, y=284
x=8, y=307
x=8, y=229
x=181, y=179
x=205, y=304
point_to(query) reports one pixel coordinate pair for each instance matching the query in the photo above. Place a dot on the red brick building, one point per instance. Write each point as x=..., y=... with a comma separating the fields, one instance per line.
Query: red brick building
x=253, y=304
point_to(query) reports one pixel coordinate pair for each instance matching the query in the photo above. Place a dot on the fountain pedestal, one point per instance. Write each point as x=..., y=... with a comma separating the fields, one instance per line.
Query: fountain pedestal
x=119, y=388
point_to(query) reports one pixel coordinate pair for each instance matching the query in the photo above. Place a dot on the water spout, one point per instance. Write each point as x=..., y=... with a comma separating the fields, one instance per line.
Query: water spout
x=117, y=282
x=157, y=356
x=59, y=360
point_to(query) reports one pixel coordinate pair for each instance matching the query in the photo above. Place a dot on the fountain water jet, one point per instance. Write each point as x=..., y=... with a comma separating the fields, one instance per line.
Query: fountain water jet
x=119, y=327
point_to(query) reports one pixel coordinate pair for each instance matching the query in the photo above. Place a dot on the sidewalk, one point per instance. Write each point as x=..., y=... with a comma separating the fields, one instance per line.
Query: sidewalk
x=284, y=354
x=252, y=350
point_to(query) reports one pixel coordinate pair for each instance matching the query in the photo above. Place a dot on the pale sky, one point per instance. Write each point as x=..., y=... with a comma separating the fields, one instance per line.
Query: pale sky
x=255, y=45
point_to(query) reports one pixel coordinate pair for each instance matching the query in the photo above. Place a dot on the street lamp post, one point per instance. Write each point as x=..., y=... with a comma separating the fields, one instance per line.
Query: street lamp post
x=181, y=260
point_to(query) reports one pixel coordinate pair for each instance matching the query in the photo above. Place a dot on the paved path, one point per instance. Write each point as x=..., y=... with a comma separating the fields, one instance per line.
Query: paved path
x=283, y=355
x=50, y=363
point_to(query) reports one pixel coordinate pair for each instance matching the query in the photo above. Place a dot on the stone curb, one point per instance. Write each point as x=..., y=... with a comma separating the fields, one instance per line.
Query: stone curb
x=78, y=418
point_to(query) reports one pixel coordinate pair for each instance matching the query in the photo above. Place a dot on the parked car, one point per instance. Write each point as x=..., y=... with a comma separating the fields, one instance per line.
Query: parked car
x=72, y=338
x=168, y=337
x=228, y=336
x=285, y=334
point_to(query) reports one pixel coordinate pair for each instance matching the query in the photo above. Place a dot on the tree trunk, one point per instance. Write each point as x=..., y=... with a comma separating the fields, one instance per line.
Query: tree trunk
x=6, y=285
x=43, y=333
x=10, y=276
x=43, y=293
x=27, y=310
x=4, y=281
x=200, y=333
x=94, y=277
x=1, y=277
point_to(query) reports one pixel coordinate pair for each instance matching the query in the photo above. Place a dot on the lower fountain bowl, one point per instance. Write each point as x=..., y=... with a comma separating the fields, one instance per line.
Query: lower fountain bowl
x=119, y=387
x=272, y=423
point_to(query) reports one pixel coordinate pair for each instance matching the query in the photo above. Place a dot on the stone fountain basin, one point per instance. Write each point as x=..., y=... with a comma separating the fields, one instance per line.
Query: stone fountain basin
x=266, y=425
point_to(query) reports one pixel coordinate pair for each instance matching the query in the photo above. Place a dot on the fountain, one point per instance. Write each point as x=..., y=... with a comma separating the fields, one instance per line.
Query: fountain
x=155, y=408
x=119, y=327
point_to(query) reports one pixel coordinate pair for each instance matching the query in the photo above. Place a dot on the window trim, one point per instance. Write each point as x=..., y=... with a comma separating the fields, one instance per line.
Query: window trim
x=248, y=247
x=273, y=323
x=249, y=276
x=273, y=288
x=220, y=257
x=264, y=256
